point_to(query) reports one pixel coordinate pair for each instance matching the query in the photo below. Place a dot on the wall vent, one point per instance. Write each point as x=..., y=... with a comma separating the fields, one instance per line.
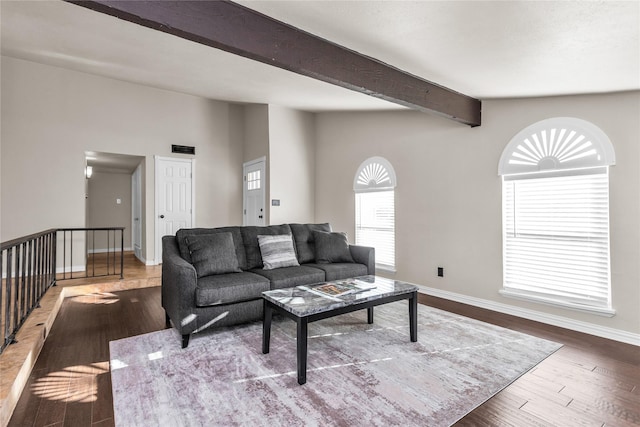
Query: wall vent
x=183, y=149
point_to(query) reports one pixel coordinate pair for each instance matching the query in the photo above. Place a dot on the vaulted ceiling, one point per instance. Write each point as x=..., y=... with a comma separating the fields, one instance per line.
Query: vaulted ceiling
x=484, y=49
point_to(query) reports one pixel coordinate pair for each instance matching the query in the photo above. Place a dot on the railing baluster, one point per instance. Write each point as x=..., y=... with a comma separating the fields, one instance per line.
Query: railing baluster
x=108, y=251
x=93, y=258
x=28, y=276
x=24, y=302
x=38, y=264
x=64, y=254
x=2, y=292
x=121, y=254
x=7, y=309
x=71, y=253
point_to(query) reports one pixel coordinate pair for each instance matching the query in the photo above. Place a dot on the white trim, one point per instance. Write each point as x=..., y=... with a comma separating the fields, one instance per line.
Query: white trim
x=537, y=147
x=102, y=251
x=156, y=231
x=74, y=269
x=510, y=293
x=550, y=319
x=384, y=167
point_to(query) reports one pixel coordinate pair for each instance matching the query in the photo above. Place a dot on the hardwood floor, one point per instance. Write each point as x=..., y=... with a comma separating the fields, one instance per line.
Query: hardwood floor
x=590, y=381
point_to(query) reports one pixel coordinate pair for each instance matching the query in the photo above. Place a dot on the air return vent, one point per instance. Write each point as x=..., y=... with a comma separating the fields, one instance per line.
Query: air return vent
x=183, y=149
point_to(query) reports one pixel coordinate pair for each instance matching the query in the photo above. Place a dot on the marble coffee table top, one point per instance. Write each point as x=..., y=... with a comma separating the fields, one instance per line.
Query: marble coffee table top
x=305, y=301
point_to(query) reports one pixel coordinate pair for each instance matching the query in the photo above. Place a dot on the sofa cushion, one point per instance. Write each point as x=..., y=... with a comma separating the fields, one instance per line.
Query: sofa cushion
x=305, y=243
x=252, y=247
x=331, y=247
x=340, y=271
x=183, y=233
x=213, y=254
x=292, y=276
x=229, y=288
x=277, y=251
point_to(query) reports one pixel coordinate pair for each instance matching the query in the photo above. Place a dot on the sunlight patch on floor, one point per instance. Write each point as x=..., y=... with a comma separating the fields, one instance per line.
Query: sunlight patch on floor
x=72, y=384
x=319, y=368
x=96, y=298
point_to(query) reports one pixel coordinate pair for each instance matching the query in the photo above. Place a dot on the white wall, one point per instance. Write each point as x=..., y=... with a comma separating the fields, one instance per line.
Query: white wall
x=448, y=198
x=51, y=116
x=292, y=165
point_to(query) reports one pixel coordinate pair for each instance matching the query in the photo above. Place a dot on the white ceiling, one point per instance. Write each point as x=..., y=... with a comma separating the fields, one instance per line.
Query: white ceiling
x=485, y=49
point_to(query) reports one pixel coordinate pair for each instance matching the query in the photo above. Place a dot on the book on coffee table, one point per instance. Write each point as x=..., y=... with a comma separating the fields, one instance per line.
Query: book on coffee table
x=339, y=288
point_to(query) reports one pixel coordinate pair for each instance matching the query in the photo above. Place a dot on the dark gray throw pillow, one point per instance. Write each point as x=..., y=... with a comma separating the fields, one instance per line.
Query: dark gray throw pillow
x=331, y=247
x=213, y=254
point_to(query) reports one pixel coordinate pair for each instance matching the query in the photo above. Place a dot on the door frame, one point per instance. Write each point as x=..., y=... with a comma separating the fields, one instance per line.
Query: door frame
x=262, y=160
x=156, y=212
x=136, y=198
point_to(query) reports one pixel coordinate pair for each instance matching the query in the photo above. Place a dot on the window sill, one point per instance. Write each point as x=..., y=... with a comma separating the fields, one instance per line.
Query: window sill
x=606, y=312
x=385, y=269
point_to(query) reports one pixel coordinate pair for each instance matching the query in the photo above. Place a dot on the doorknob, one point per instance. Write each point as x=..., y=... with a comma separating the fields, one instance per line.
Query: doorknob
x=161, y=216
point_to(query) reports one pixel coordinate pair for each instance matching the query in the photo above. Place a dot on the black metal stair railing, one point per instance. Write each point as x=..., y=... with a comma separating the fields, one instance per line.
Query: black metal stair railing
x=32, y=264
x=28, y=267
x=100, y=255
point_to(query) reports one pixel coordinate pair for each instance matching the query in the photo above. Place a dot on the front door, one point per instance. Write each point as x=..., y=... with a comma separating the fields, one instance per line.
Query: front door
x=174, y=198
x=254, y=193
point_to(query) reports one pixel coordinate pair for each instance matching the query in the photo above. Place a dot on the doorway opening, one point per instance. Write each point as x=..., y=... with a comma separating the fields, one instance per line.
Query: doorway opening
x=114, y=197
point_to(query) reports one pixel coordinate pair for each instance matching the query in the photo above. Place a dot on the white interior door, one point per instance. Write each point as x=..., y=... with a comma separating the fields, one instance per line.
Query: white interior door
x=254, y=178
x=136, y=212
x=174, y=198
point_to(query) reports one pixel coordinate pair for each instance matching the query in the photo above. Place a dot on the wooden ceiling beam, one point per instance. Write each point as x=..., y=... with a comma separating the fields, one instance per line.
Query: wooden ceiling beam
x=242, y=31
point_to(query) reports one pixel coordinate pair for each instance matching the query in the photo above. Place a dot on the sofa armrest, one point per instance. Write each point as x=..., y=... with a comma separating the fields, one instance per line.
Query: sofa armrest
x=179, y=280
x=364, y=255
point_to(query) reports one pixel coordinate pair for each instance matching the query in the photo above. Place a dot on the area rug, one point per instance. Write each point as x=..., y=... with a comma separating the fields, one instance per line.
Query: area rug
x=358, y=374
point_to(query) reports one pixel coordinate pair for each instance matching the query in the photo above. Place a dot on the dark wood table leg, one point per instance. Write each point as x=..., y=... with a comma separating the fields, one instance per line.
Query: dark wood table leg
x=266, y=327
x=370, y=315
x=302, y=350
x=413, y=316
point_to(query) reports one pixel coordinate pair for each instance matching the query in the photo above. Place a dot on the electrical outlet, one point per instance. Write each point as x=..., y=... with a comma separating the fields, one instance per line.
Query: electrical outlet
x=440, y=271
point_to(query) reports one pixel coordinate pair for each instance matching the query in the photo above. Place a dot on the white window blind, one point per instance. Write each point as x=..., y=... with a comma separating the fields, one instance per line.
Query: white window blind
x=375, y=225
x=556, y=237
x=374, y=185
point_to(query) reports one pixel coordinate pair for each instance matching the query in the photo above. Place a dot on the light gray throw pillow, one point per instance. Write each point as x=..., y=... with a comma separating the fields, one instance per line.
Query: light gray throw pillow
x=277, y=251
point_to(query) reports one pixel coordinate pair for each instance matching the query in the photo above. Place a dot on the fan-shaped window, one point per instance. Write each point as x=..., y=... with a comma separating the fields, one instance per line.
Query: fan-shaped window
x=555, y=211
x=374, y=186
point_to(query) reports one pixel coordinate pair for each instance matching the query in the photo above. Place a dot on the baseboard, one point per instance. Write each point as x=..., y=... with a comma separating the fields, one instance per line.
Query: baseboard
x=550, y=319
x=104, y=251
x=145, y=261
x=73, y=269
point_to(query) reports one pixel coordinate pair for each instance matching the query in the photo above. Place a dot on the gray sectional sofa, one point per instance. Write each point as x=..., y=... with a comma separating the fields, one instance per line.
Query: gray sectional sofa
x=215, y=276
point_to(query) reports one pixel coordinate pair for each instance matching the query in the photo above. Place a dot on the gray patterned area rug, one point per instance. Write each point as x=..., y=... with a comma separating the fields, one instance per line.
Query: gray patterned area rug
x=358, y=374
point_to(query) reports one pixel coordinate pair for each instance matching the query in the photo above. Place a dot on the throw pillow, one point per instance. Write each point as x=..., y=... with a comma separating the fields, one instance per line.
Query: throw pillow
x=277, y=251
x=213, y=254
x=331, y=247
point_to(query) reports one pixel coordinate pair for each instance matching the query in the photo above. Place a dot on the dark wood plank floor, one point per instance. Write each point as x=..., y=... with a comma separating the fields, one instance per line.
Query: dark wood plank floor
x=589, y=382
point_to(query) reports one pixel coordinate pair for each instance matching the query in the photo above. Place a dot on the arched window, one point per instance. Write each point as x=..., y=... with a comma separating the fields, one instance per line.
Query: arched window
x=374, y=185
x=555, y=208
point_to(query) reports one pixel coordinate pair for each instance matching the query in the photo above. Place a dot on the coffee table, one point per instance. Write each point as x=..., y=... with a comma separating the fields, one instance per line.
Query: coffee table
x=304, y=305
